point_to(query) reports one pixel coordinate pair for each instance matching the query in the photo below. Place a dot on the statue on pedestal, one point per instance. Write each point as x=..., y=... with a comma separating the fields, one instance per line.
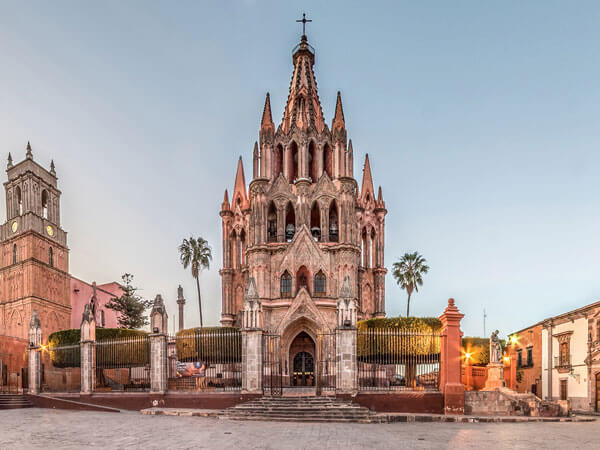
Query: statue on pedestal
x=495, y=348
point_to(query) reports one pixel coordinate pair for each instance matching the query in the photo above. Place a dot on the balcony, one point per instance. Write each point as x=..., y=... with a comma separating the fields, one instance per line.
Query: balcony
x=562, y=364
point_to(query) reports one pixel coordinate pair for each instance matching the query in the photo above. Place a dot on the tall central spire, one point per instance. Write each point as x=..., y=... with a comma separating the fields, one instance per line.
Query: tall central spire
x=303, y=108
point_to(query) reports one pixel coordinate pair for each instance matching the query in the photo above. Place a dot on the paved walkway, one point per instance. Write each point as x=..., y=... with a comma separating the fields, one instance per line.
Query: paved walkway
x=60, y=429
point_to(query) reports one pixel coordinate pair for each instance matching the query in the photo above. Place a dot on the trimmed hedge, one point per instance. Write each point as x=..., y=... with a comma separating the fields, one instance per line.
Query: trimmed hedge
x=213, y=345
x=70, y=357
x=379, y=340
x=479, y=348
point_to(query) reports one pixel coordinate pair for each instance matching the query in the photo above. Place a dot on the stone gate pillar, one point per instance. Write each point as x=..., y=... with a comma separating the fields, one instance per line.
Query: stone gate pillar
x=252, y=352
x=450, y=360
x=345, y=337
x=88, y=350
x=158, y=347
x=34, y=371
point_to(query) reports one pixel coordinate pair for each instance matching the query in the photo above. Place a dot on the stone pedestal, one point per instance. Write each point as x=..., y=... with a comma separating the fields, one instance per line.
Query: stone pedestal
x=34, y=361
x=495, y=377
x=252, y=360
x=345, y=346
x=158, y=363
x=450, y=360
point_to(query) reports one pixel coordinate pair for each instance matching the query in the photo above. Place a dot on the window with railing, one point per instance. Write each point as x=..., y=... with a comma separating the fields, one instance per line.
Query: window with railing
x=519, y=358
x=564, y=355
x=529, y=356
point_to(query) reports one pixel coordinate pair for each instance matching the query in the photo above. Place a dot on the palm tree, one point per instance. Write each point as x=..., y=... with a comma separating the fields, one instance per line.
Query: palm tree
x=197, y=254
x=408, y=273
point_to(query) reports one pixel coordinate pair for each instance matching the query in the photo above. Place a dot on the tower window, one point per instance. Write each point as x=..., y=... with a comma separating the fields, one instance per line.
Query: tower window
x=278, y=166
x=315, y=222
x=333, y=222
x=327, y=160
x=312, y=162
x=15, y=254
x=290, y=222
x=45, y=204
x=51, y=257
x=272, y=223
x=293, y=162
x=19, y=200
x=286, y=285
x=320, y=283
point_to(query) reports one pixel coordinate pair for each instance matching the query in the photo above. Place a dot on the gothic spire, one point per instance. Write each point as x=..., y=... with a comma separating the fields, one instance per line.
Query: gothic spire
x=52, y=168
x=225, y=204
x=29, y=154
x=10, y=161
x=367, y=181
x=255, y=162
x=239, y=198
x=267, y=119
x=338, y=119
x=303, y=108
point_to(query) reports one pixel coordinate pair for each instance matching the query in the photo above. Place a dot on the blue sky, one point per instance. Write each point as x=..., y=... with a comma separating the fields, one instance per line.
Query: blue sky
x=481, y=120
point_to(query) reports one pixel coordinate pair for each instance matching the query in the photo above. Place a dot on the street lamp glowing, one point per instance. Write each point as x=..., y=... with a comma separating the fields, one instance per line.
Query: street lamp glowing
x=513, y=339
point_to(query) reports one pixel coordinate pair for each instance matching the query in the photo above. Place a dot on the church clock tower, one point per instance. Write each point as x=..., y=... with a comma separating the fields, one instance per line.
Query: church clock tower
x=34, y=265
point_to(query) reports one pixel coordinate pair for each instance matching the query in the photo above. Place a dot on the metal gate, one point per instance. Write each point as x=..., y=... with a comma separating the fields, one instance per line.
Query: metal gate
x=272, y=374
x=326, y=363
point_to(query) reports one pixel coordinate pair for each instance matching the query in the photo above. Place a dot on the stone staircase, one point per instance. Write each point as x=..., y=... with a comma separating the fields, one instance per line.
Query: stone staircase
x=14, y=401
x=300, y=409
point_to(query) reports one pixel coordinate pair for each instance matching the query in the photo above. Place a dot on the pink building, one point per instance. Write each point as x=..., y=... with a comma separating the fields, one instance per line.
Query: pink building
x=82, y=293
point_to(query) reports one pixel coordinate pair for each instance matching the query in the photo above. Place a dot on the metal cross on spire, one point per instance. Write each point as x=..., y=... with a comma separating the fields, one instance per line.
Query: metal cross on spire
x=304, y=20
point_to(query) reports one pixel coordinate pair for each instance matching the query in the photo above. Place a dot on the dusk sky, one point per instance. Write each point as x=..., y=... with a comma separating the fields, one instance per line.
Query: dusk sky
x=481, y=120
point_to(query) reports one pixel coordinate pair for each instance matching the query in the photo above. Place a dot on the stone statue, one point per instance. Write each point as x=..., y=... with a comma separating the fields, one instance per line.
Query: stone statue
x=495, y=348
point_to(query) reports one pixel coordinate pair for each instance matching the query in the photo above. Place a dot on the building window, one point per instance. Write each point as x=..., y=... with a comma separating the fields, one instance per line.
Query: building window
x=15, y=254
x=564, y=356
x=286, y=285
x=519, y=358
x=45, y=204
x=563, y=390
x=529, y=356
x=320, y=283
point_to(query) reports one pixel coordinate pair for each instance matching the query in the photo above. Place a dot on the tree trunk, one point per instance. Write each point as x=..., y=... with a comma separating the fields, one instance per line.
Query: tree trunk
x=408, y=305
x=199, y=299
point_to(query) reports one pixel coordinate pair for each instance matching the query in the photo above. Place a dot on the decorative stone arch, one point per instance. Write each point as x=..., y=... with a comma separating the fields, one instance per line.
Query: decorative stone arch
x=15, y=324
x=289, y=333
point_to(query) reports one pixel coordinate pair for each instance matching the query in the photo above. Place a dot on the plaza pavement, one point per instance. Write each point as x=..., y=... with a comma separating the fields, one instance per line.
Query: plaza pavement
x=61, y=429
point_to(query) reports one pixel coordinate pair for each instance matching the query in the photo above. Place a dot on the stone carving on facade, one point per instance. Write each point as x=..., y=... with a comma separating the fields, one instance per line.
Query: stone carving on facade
x=346, y=306
x=35, y=330
x=88, y=324
x=252, y=310
x=158, y=316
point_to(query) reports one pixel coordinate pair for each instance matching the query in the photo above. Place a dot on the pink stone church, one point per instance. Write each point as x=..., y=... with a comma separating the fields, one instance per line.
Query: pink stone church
x=303, y=225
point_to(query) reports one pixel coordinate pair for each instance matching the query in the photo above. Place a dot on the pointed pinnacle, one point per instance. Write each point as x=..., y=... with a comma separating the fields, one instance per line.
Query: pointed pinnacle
x=10, y=161
x=379, y=195
x=255, y=148
x=350, y=149
x=52, y=167
x=267, y=118
x=29, y=154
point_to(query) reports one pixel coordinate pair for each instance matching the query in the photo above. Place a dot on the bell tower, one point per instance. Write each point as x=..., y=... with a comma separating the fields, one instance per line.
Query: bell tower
x=34, y=258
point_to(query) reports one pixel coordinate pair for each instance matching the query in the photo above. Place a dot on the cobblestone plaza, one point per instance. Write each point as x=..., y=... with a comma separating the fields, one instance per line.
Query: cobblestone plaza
x=60, y=429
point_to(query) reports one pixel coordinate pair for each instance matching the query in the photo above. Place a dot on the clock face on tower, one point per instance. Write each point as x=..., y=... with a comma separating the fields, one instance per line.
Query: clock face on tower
x=15, y=226
x=50, y=230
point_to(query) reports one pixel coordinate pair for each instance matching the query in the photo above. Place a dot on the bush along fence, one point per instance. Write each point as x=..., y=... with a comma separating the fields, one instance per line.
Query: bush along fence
x=389, y=355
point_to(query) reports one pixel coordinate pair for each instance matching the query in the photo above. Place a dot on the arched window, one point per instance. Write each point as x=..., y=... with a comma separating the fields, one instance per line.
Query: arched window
x=19, y=200
x=302, y=277
x=293, y=162
x=333, y=222
x=234, y=250
x=45, y=204
x=373, y=249
x=51, y=257
x=312, y=161
x=278, y=163
x=286, y=285
x=315, y=222
x=272, y=223
x=15, y=254
x=327, y=160
x=365, y=248
x=242, y=249
x=320, y=283
x=290, y=222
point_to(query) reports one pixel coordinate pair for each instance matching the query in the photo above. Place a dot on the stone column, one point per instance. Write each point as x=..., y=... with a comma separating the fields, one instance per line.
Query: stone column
x=88, y=350
x=346, y=337
x=180, y=305
x=252, y=341
x=158, y=347
x=450, y=361
x=34, y=358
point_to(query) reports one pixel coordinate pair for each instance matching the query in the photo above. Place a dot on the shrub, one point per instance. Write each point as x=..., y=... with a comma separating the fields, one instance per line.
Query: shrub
x=398, y=339
x=213, y=345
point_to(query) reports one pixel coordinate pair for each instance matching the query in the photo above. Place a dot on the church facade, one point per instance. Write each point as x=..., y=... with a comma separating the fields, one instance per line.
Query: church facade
x=303, y=224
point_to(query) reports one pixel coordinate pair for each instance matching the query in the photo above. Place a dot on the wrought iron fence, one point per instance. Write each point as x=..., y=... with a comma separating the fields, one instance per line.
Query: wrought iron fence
x=272, y=373
x=391, y=359
x=61, y=369
x=206, y=360
x=326, y=363
x=122, y=364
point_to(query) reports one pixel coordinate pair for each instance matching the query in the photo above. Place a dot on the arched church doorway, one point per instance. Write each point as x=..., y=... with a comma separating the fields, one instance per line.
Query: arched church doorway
x=302, y=360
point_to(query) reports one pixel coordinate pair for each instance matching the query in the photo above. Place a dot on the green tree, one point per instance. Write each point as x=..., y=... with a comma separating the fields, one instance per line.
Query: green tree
x=197, y=254
x=408, y=273
x=130, y=306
